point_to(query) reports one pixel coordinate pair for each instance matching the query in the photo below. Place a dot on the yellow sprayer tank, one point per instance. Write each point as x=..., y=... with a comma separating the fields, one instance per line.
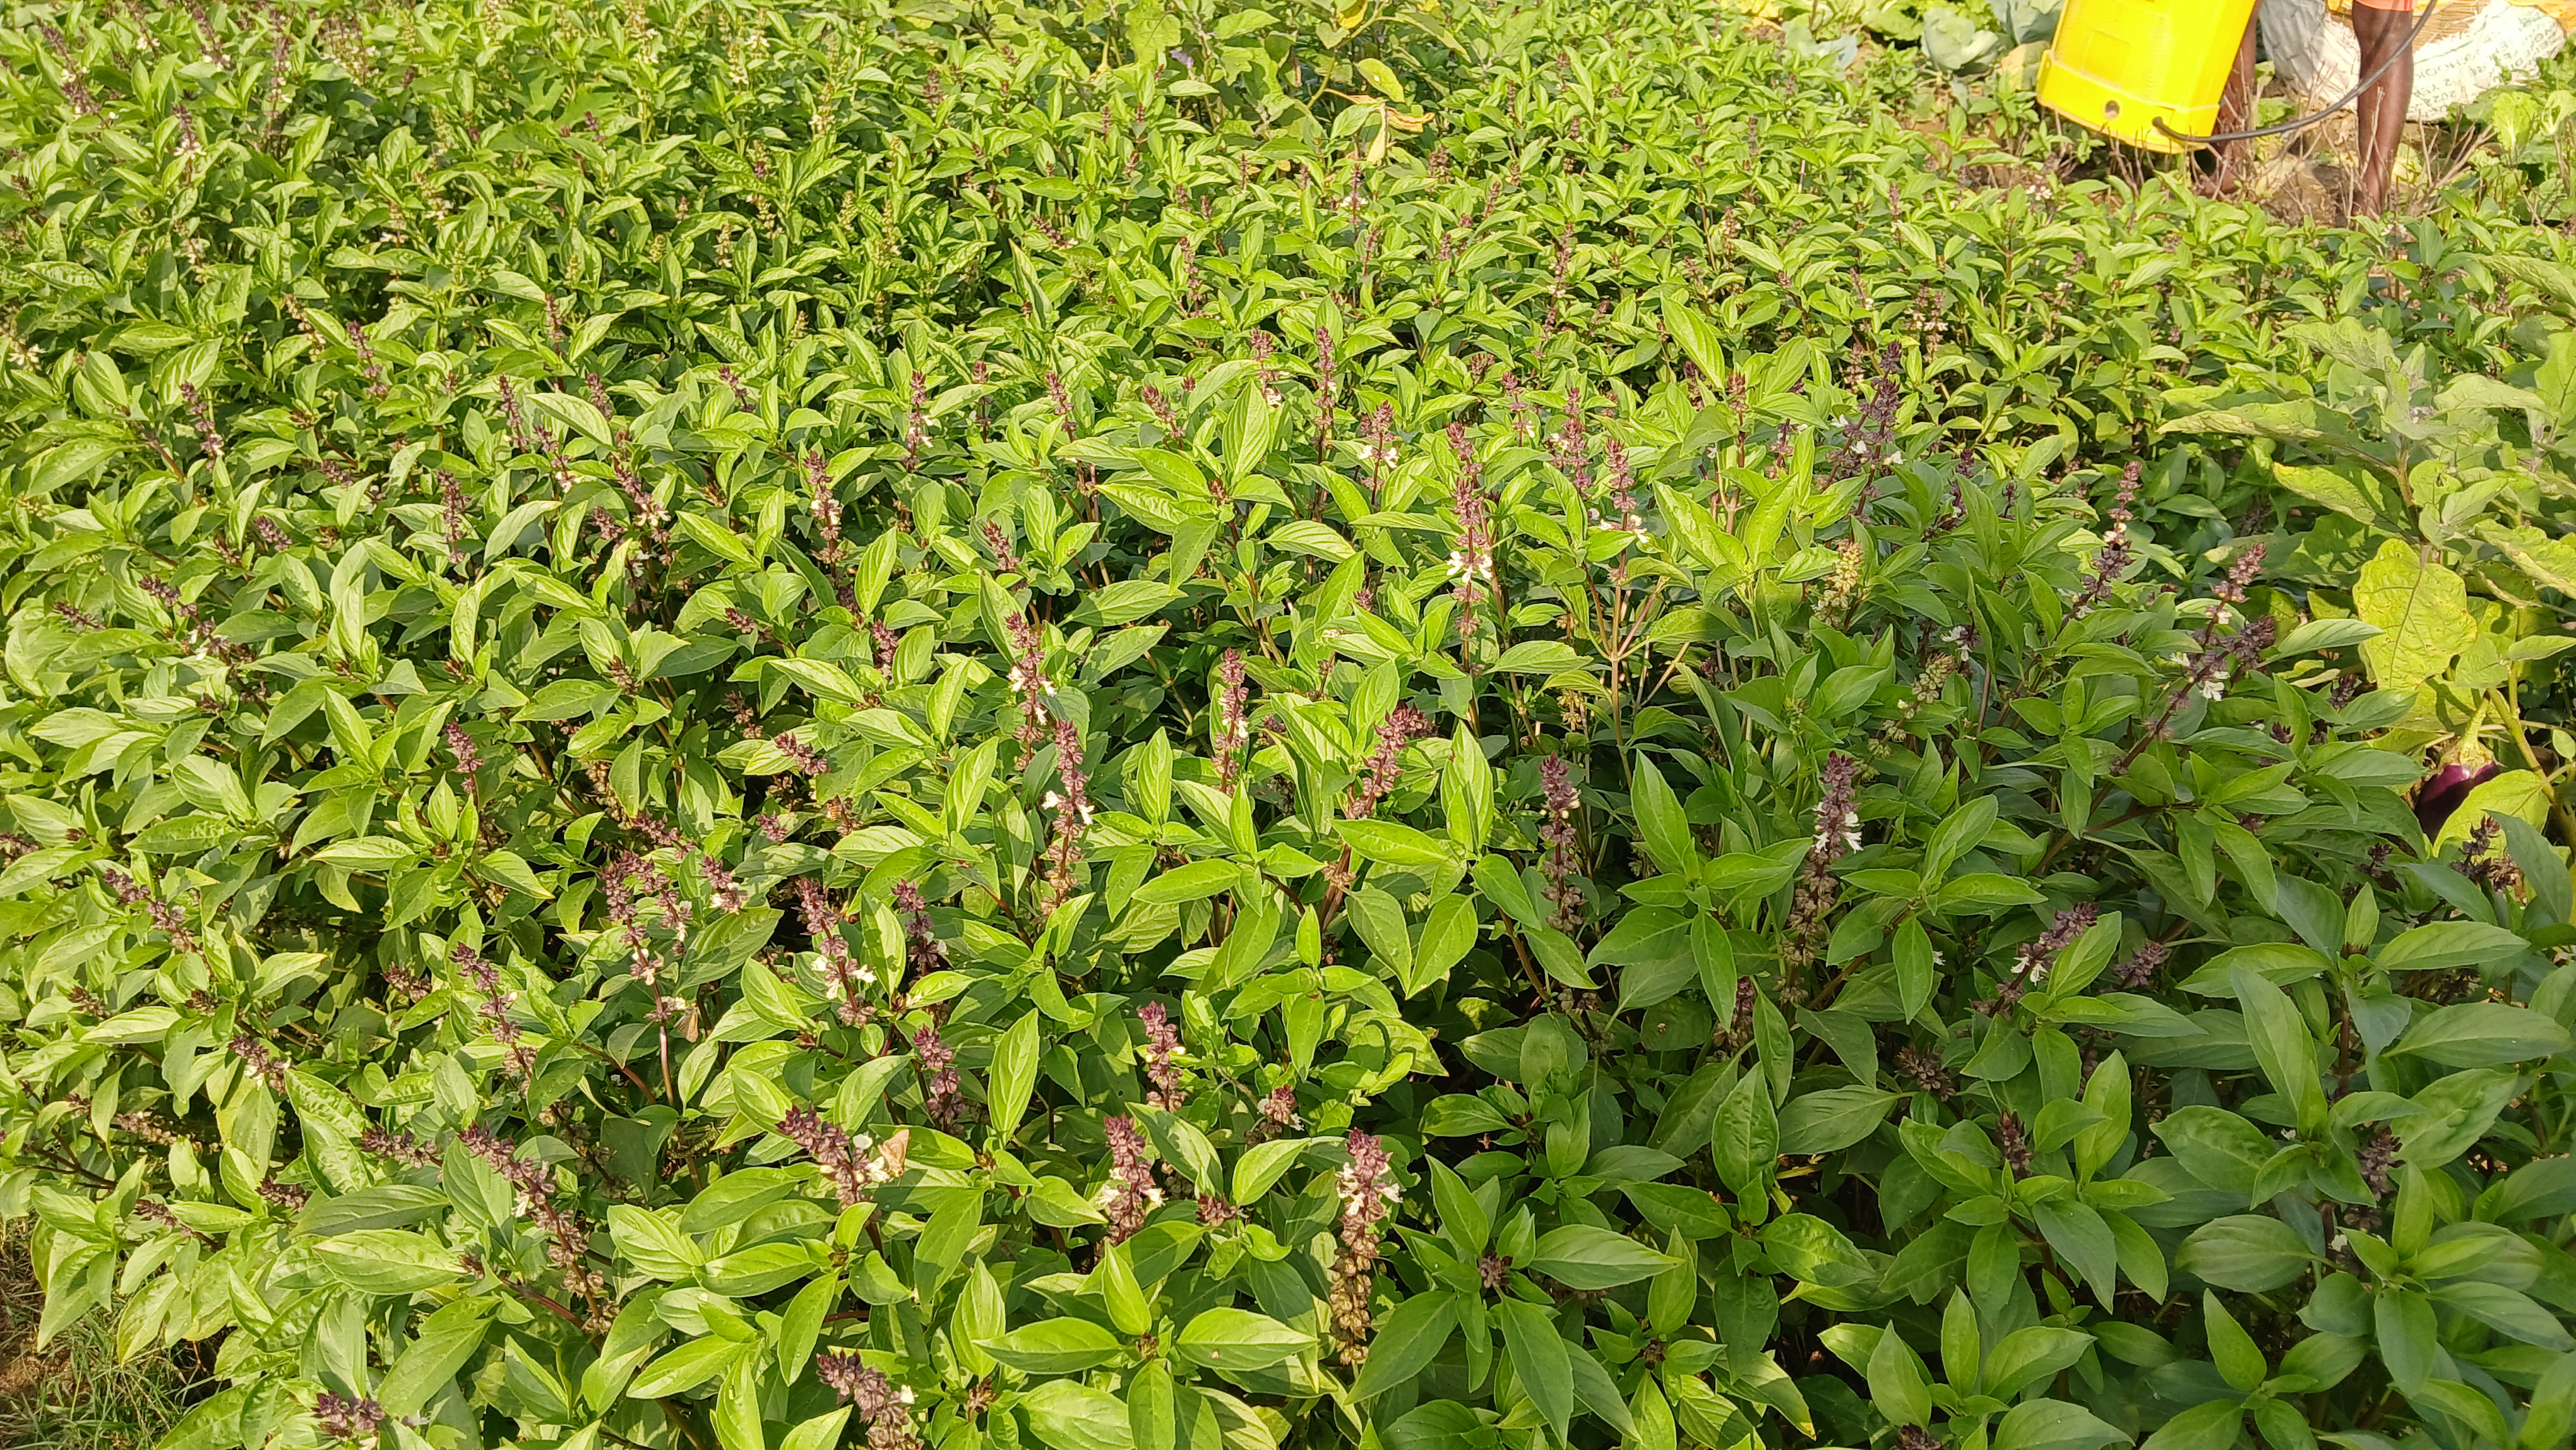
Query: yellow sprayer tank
x=2119, y=65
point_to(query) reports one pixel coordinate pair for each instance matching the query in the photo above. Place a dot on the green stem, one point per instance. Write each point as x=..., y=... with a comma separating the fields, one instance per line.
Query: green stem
x=2522, y=741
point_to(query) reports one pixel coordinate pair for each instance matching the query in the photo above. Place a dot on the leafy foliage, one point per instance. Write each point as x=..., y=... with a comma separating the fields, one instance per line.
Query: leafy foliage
x=759, y=728
x=2439, y=535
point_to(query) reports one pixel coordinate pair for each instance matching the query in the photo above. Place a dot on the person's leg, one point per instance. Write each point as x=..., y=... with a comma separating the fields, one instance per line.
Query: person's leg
x=2235, y=113
x=2381, y=111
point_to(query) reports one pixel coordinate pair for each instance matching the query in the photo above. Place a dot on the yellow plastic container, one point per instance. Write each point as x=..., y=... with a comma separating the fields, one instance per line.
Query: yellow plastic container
x=2117, y=66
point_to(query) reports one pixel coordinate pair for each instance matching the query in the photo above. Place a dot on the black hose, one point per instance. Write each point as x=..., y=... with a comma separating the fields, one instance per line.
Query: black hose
x=2303, y=122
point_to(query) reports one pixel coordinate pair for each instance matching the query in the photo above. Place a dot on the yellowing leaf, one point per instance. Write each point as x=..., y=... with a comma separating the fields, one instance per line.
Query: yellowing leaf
x=2516, y=793
x=2422, y=611
x=2548, y=561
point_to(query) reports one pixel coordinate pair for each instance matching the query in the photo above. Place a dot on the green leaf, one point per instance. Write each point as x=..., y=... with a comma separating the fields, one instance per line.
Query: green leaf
x=821, y=679
x=1072, y=1416
x=1261, y=1166
x=652, y=1241
x=2250, y=1253
x=1467, y=791
x=2052, y=1425
x=715, y=538
x=2442, y=945
x=1303, y=536
x=1392, y=843
x=823, y=1432
x=2483, y=1034
x=1746, y=1137
x=1660, y=821
x=804, y=1320
x=1984, y=894
x=388, y=1261
x=447, y=1339
x=2210, y=1426
x=1962, y=831
x=2231, y=1348
x=2323, y=634
x=2219, y=1148
x=1540, y=1360
x=372, y=853
x=759, y=1269
x=1249, y=431
x=1898, y=1383
x=1239, y=1339
x=1184, y=1146
x=737, y=1409
x=1833, y=1119
x=1448, y=934
x=1126, y=601
x=1713, y=956
x=2453, y=1113
x=183, y=835
x=2282, y=1046
x=2507, y=1311
x=1114, y=1280
x=1055, y=1346
x=1381, y=924
x=2349, y=489
x=2083, y=1241
x=1013, y=1076
x=1195, y=881
x=1405, y=1341
x=687, y=1367
x=1537, y=657
x=1582, y=1256
x=1699, y=340
x=1153, y=1415
x=2407, y=1334
x=1557, y=955
x=1464, y=1220
x=1596, y=1391
x=566, y=699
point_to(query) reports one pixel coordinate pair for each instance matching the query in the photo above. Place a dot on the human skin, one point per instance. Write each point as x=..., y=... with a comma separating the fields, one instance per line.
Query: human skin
x=2380, y=109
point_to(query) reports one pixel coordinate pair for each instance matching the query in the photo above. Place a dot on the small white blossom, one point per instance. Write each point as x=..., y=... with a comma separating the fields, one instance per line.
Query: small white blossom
x=1110, y=1190
x=1026, y=679
x=1352, y=1184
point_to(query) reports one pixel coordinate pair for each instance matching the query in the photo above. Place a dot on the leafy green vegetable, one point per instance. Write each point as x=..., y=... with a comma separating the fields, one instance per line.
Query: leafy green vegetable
x=737, y=726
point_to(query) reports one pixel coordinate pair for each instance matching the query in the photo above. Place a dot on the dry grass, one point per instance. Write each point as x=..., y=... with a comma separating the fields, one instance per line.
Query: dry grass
x=74, y=1395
